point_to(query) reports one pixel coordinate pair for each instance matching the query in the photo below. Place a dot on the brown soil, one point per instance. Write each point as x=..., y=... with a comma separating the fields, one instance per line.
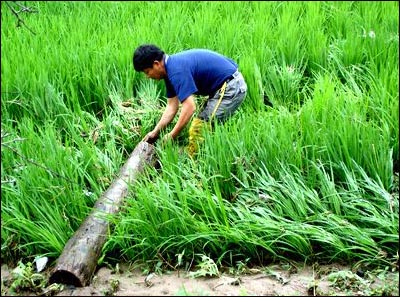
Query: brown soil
x=273, y=280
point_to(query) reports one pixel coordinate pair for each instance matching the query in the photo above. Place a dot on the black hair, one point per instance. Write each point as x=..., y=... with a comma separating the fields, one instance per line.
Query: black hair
x=145, y=55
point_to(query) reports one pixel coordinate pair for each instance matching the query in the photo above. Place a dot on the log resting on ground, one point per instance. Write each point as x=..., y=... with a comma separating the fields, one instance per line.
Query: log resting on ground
x=78, y=261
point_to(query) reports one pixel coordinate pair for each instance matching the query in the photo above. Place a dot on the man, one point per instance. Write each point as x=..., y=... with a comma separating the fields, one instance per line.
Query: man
x=186, y=74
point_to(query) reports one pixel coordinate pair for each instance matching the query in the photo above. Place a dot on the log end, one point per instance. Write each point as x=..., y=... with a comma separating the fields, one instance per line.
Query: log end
x=65, y=277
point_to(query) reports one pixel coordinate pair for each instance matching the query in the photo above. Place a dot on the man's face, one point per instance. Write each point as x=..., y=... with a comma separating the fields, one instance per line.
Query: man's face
x=156, y=72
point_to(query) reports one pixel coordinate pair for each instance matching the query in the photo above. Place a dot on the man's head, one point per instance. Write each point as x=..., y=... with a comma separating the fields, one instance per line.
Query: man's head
x=148, y=58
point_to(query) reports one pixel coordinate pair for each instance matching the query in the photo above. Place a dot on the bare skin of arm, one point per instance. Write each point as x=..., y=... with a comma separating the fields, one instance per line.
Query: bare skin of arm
x=188, y=108
x=168, y=115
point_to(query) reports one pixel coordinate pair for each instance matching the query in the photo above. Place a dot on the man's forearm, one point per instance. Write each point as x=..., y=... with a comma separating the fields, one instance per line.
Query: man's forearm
x=188, y=108
x=165, y=119
x=167, y=116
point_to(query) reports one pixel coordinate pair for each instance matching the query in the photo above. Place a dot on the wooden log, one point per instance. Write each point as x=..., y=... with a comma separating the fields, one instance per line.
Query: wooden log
x=78, y=261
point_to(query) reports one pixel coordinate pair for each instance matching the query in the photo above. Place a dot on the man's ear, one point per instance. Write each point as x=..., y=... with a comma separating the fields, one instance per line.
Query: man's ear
x=158, y=65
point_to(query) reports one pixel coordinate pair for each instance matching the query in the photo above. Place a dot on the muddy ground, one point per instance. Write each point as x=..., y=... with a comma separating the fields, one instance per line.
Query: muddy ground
x=273, y=280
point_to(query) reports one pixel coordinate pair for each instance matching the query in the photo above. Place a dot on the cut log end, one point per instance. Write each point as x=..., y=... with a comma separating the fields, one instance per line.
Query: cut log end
x=79, y=258
x=65, y=277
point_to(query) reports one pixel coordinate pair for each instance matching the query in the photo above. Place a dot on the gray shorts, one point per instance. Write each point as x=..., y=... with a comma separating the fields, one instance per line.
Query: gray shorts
x=235, y=92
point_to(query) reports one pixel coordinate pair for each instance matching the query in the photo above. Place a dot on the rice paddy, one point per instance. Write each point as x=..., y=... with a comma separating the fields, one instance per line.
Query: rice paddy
x=312, y=178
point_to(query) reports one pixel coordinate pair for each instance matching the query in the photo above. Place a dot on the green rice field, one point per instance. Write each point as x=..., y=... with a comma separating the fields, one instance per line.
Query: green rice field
x=314, y=178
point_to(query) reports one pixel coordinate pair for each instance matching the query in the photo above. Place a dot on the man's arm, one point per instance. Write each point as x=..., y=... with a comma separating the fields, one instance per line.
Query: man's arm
x=168, y=115
x=187, y=110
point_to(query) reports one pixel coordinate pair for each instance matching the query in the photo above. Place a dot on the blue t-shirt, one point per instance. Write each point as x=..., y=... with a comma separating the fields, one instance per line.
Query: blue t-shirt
x=196, y=71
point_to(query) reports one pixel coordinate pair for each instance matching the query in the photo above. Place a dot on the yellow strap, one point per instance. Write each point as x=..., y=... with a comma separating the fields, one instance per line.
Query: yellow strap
x=219, y=101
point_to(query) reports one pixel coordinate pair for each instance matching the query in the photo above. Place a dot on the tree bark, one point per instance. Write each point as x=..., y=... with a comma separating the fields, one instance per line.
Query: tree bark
x=78, y=261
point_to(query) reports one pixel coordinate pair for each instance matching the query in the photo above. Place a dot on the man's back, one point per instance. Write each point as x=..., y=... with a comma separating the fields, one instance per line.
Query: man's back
x=197, y=71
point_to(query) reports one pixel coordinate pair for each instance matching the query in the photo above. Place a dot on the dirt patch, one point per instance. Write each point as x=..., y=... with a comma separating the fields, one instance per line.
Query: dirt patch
x=273, y=280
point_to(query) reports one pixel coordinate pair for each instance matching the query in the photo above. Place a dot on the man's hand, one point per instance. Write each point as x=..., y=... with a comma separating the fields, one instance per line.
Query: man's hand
x=151, y=137
x=167, y=137
x=166, y=118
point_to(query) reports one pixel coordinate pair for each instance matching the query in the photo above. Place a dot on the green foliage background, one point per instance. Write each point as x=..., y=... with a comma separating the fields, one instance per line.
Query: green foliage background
x=313, y=178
